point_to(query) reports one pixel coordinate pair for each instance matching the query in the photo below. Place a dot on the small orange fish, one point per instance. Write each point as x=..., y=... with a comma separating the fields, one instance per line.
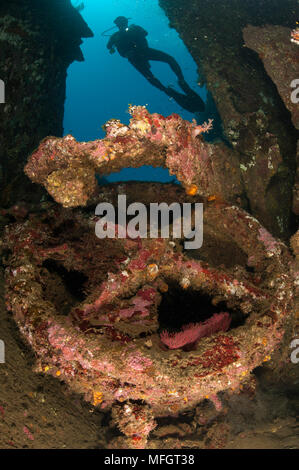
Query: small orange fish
x=191, y=190
x=217, y=199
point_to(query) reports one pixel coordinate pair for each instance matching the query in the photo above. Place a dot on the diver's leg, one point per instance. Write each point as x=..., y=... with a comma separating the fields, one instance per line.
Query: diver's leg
x=154, y=54
x=191, y=101
x=143, y=67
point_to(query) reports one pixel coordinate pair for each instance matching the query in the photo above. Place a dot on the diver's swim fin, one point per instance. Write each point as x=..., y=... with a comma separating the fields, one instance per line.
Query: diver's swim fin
x=192, y=102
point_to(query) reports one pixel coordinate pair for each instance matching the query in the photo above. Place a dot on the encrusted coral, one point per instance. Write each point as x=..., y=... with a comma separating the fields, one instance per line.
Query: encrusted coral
x=67, y=168
x=100, y=330
x=193, y=332
x=295, y=36
x=142, y=326
x=135, y=421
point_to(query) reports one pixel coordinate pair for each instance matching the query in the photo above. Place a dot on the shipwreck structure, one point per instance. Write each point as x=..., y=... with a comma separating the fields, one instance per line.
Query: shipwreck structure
x=143, y=327
x=140, y=325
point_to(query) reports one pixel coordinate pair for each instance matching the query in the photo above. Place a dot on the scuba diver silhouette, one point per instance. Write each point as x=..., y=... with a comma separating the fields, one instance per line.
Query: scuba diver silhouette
x=131, y=43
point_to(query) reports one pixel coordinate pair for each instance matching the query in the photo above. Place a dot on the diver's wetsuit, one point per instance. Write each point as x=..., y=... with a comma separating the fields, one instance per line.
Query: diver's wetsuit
x=132, y=44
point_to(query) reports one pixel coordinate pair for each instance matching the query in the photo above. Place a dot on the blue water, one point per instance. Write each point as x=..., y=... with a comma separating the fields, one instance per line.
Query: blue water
x=102, y=87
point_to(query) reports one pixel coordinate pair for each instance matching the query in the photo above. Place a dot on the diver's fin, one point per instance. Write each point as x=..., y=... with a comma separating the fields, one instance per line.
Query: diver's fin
x=190, y=102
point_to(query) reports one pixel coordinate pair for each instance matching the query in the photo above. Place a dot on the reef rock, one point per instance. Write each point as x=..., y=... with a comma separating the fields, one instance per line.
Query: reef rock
x=254, y=117
x=38, y=42
x=280, y=58
x=128, y=321
x=67, y=168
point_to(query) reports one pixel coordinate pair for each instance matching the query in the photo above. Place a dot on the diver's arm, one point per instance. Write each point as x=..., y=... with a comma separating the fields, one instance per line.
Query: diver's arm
x=111, y=44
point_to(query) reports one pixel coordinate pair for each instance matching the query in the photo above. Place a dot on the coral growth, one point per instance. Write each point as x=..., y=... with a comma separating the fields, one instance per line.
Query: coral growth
x=135, y=421
x=93, y=310
x=295, y=36
x=67, y=168
x=192, y=333
x=89, y=308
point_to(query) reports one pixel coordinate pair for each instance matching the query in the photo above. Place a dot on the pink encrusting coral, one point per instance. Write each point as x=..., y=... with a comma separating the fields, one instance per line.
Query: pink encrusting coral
x=107, y=346
x=269, y=241
x=193, y=332
x=67, y=168
x=100, y=333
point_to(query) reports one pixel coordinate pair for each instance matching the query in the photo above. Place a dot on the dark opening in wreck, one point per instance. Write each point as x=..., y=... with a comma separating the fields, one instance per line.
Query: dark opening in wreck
x=181, y=306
